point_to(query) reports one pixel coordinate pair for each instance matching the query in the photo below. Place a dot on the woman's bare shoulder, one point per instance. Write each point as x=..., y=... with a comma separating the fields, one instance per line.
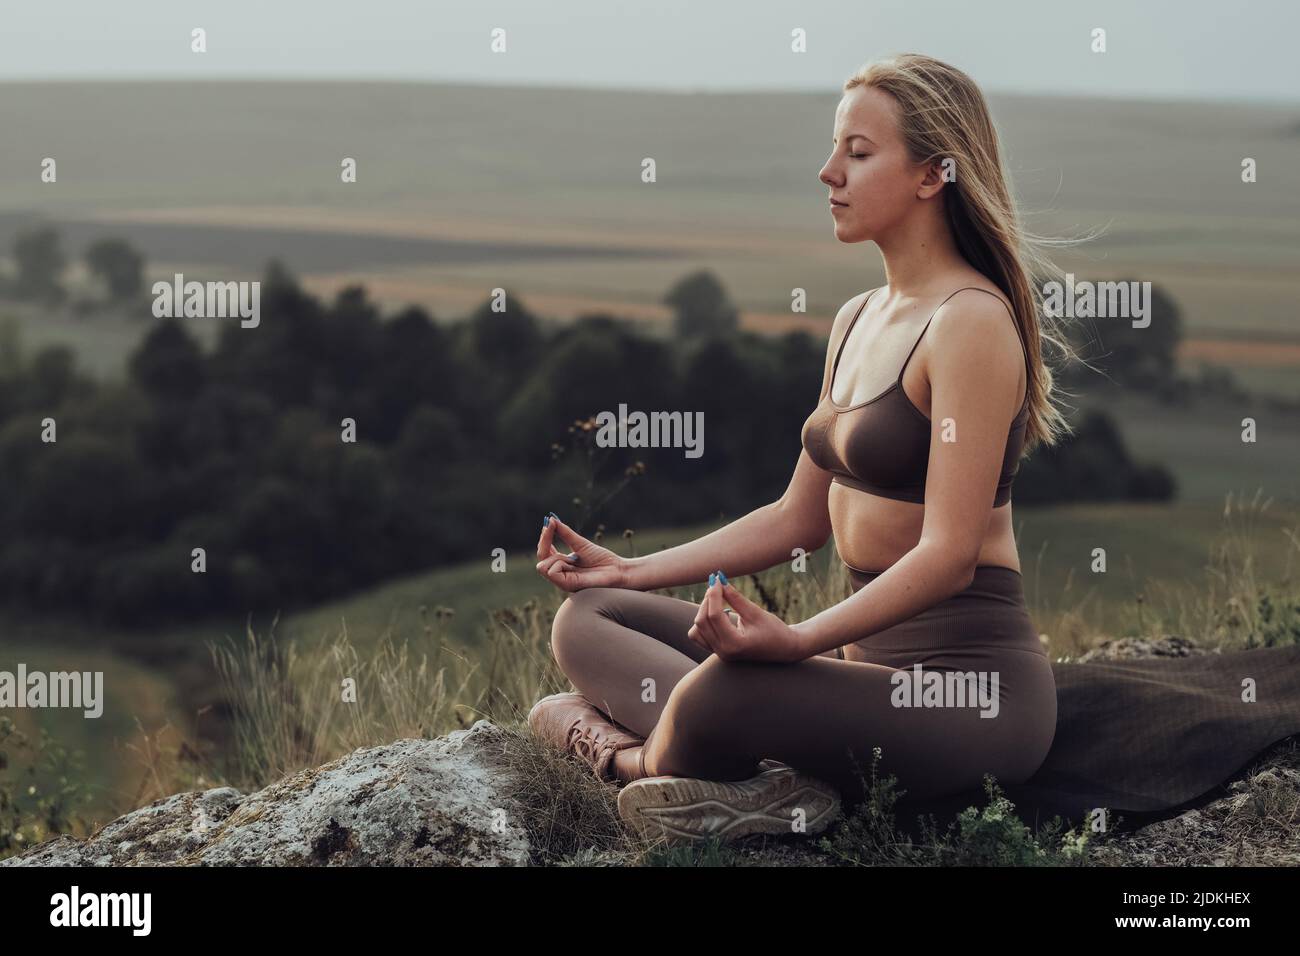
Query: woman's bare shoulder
x=845, y=316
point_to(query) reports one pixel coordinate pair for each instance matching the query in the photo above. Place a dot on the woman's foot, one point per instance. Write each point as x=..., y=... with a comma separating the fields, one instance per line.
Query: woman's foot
x=572, y=724
x=779, y=800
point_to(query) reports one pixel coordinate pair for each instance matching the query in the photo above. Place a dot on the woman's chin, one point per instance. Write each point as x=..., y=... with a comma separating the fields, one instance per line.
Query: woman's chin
x=845, y=232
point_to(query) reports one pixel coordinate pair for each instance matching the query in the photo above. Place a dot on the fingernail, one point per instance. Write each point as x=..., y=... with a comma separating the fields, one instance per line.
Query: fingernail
x=555, y=516
x=546, y=519
x=712, y=578
x=571, y=557
x=723, y=578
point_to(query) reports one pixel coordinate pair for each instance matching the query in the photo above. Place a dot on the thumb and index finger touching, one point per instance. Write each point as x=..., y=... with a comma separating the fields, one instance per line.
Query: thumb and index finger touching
x=745, y=608
x=552, y=527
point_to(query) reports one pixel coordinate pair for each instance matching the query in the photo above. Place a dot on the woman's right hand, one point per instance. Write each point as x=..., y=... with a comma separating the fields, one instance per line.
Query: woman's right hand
x=595, y=567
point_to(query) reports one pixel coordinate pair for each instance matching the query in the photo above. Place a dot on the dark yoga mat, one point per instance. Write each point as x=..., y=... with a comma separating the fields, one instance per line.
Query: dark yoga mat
x=1151, y=737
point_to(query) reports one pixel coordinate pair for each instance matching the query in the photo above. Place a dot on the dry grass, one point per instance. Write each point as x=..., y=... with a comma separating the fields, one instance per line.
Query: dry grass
x=290, y=712
x=293, y=710
x=1234, y=607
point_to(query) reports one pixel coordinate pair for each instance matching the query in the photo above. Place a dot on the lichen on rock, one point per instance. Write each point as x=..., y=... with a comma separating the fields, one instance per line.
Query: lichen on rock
x=413, y=802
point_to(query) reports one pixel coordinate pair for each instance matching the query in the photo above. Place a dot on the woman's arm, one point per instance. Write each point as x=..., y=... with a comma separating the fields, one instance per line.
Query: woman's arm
x=762, y=538
x=971, y=348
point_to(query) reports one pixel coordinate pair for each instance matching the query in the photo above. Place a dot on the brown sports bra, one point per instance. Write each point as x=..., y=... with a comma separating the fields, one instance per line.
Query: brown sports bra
x=882, y=445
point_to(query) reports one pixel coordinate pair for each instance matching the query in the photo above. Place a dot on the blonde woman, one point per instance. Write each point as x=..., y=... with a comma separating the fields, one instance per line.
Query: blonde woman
x=934, y=388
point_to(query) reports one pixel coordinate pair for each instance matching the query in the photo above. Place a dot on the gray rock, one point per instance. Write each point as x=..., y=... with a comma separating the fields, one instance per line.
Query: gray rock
x=409, y=803
x=1128, y=648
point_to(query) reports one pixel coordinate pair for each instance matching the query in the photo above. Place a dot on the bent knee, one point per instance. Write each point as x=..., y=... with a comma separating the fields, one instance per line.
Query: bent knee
x=714, y=696
x=572, y=625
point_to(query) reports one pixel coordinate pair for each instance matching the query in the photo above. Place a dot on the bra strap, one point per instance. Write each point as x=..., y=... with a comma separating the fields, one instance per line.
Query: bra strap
x=974, y=288
x=839, y=349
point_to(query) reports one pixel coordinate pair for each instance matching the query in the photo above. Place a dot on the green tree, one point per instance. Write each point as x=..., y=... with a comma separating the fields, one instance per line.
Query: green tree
x=169, y=364
x=702, y=306
x=118, y=266
x=1140, y=358
x=40, y=263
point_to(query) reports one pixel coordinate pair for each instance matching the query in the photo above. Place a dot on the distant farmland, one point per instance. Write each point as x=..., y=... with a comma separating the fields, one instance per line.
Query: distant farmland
x=461, y=189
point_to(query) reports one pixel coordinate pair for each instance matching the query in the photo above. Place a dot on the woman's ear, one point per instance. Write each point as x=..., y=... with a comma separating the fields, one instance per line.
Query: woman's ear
x=939, y=172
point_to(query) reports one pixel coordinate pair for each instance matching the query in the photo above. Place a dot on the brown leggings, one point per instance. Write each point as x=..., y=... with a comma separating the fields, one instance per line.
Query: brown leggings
x=628, y=653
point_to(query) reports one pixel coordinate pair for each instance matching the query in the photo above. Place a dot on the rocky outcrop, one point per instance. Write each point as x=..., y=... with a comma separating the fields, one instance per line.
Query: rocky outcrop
x=409, y=803
x=451, y=802
x=1129, y=648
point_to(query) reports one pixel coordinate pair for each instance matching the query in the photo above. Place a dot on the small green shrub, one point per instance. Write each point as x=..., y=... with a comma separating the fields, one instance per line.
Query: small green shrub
x=712, y=852
x=990, y=836
x=996, y=836
x=32, y=811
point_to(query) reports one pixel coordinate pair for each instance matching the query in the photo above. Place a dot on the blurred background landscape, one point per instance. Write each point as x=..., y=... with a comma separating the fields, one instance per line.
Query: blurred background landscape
x=376, y=305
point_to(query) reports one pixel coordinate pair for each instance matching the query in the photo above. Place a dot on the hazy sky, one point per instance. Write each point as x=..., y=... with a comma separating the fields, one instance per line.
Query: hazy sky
x=1244, y=49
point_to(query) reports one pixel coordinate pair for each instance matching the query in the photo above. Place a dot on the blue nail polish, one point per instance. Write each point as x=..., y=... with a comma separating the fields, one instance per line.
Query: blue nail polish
x=546, y=519
x=571, y=558
x=723, y=578
x=555, y=516
x=712, y=578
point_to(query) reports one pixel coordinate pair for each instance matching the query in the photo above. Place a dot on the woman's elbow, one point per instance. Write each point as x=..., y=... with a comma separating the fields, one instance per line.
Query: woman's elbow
x=965, y=572
x=806, y=528
x=954, y=565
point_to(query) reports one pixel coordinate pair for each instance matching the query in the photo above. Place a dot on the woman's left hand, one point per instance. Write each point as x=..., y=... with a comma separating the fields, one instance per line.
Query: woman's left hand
x=758, y=635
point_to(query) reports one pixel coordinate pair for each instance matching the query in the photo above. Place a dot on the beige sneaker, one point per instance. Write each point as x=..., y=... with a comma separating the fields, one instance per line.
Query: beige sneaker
x=778, y=801
x=571, y=723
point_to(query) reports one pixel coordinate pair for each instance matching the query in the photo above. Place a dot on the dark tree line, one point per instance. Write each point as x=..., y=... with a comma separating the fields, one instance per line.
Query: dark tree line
x=39, y=264
x=238, y=450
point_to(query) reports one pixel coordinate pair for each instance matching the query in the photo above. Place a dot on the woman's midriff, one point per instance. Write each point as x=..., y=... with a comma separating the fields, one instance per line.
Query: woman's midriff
x=987, y=622
x=872, y=532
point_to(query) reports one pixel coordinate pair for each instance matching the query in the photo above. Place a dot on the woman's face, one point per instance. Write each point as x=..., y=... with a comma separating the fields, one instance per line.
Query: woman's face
x=869, y=169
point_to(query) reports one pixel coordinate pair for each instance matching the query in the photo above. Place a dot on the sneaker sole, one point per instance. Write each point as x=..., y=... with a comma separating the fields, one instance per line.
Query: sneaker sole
x=687, y=809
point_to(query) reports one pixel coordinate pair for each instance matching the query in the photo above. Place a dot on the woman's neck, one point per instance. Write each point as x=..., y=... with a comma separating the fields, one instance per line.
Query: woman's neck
x=920, y=255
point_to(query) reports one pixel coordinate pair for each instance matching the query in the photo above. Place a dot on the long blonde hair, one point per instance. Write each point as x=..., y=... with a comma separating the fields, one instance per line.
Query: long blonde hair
x=943, y=115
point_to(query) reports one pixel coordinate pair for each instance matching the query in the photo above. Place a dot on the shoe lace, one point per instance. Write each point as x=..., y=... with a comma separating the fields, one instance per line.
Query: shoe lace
x=585, y=742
